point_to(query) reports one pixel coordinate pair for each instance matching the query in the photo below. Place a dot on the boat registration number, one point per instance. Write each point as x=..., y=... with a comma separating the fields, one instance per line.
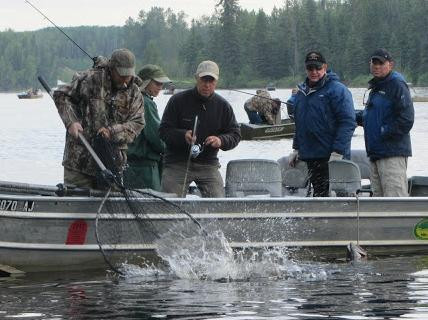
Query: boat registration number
x=12, y=205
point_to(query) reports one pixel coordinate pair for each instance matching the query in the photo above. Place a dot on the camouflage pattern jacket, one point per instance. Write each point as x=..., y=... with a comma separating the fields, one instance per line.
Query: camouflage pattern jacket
x=92, y=100
x=262, y=104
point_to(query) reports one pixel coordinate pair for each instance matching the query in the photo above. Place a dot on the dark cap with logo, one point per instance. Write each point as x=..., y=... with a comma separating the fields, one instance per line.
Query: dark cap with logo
x=382, y=55
x=314, y=58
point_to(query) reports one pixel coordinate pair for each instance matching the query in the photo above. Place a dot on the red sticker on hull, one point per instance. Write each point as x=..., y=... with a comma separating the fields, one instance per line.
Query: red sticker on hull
x=77, y=232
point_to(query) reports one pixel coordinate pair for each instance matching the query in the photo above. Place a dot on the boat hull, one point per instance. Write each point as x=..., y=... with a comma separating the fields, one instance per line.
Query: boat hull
x=29, y=96
x=265, y=131
x=420, y=98
x=35, y=231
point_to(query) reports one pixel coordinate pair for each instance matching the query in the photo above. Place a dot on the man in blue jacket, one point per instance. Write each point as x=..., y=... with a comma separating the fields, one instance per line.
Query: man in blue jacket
x=387, y=119
x=324, y=116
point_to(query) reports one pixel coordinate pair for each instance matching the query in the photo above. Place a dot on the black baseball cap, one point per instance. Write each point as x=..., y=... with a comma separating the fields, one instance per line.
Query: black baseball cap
x=314, y=58
x=382, y=55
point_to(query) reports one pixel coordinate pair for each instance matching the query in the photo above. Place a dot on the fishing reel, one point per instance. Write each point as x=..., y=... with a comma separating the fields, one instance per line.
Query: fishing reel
x=195, y=150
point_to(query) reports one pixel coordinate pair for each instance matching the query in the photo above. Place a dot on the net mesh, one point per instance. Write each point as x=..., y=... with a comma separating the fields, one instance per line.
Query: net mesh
x=129, y=221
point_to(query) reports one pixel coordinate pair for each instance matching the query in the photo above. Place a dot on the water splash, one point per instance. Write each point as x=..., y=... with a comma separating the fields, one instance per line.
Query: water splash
x=192, y=254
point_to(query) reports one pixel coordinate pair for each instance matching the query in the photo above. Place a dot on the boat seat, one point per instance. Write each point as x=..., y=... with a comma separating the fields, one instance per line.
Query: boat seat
x=294, y=179
x=418, y=186
x=247, y=177
x=344, y=178
x=360, y=158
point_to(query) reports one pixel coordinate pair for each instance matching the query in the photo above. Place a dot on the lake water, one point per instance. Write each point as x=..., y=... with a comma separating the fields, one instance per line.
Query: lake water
x=271, y=287
x=32, y=137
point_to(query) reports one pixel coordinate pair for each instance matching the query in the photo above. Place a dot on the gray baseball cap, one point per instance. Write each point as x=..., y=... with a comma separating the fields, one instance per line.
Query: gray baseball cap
x=123, y=61
x=208, y=68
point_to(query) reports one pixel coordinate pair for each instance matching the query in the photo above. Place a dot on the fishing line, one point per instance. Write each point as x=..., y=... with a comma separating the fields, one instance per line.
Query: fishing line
x=35, y=8
x=245, y=92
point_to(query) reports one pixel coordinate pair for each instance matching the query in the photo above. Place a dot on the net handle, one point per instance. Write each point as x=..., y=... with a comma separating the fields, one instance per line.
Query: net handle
x=81, y=136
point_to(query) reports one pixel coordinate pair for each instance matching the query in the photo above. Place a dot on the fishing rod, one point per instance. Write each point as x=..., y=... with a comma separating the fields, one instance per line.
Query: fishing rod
x=245, y=92
x=35, y=8
x=192, y=153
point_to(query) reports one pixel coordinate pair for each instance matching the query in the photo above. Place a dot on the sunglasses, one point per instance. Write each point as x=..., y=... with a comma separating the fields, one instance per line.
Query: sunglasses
x=311, y=68
x=377, y=61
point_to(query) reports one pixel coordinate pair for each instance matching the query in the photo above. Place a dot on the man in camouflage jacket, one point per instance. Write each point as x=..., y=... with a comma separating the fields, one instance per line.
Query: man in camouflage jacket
x=101, y=101
x=265, y=107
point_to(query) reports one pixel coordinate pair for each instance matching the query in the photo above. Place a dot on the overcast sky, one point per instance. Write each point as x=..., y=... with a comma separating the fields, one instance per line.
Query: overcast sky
x=20, y=16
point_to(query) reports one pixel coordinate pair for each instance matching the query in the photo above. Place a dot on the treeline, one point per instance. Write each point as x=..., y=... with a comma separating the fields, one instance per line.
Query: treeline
x=252, y=48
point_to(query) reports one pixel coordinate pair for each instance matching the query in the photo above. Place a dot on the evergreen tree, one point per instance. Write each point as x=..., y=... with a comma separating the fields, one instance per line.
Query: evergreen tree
x=230, y=54
x=250, y=47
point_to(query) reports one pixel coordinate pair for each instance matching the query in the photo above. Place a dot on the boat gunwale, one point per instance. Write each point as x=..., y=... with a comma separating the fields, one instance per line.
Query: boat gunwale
x=34, y=197
x=233, y=244
x=209, y=215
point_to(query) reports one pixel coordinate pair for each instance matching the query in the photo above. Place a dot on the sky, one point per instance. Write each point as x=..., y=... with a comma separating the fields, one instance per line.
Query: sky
x=20, y=16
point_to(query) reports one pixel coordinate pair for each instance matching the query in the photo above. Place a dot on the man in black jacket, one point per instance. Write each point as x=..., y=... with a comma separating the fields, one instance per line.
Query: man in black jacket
x=216, y=129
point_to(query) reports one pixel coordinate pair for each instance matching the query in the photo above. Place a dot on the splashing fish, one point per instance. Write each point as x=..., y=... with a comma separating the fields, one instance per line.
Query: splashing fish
x=355, y=253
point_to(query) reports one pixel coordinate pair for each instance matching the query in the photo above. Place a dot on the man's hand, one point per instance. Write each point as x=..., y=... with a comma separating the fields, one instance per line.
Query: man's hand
x=105, y=133
x=74, y=129
x=189, y=138
x=292, y=158
x=213, y=141
x=335, y=156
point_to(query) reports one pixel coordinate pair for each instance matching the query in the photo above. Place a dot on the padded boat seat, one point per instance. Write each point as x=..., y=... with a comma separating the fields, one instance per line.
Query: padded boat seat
x=246, y=177
x=345, y=177
x=294, y=179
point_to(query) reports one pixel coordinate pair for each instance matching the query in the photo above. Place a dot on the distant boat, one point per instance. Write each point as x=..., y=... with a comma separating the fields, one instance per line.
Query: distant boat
x=169, y=91
x=420, y=98
x=270, y=87
x=31, y=94
x=417, y=97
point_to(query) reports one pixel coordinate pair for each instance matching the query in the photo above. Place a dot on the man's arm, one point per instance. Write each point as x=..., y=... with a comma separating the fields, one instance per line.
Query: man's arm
x=231, y=133
x=168, y=128
x=66, y=100
x=403, y=113
x=151, y=129
x=344, y=113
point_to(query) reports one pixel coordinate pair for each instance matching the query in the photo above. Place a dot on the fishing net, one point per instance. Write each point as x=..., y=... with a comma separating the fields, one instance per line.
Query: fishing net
x=129, y=221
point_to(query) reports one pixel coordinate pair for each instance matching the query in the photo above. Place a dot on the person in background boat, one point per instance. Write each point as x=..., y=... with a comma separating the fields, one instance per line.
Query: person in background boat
x=216, y=129
x=145, y=153
x=102, y=102
x=324, y=118
x=387, y=119
x=262, y=109
x=291, y=102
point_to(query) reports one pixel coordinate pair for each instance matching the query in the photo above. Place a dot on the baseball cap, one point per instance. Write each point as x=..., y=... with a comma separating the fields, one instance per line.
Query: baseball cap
x=382, y=55
x=154, y=72
x=314, y=58
x=123, y=61
x=208, y=68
